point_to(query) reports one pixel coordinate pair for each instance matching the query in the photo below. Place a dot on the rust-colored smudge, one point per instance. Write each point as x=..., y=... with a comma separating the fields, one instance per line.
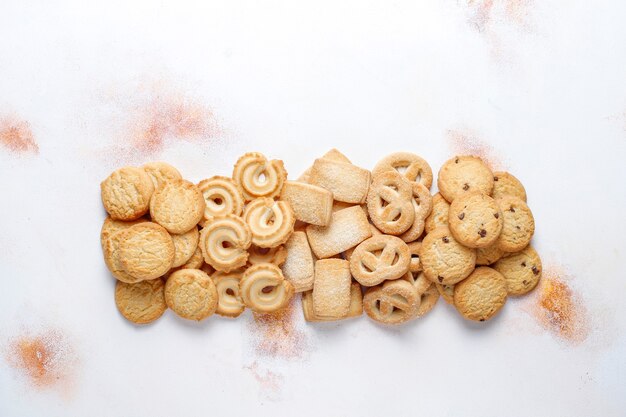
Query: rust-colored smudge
x=482, y=14
x=467, y=142
x=270, y=382
x=17, y=136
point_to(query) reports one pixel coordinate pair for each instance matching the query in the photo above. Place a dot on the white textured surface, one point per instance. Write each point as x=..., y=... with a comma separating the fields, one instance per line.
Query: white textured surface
x=292, y=79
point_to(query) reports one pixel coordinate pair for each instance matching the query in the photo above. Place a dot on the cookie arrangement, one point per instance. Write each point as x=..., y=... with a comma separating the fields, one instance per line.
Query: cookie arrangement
x=347, y=239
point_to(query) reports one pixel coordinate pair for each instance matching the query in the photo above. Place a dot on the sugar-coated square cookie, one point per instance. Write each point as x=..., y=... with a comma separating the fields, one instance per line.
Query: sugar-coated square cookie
x=355, y=310
x=310, y=203
x=299, y=265
x=331, y=288
x=347, y=182
x=347, y=228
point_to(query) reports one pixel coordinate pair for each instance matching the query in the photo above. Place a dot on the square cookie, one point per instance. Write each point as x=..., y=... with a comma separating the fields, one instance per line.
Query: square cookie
x=347, y=182
x=331, y=288
x=311, y=204
x=299, y=265
x=348, y=227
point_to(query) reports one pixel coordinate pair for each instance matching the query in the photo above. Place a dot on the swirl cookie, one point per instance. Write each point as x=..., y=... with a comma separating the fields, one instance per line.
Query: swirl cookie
x=229, y=303
x=423, y=205
x=264, y=289
x=411, y=166
x=222, y=196
x=379, y=258
x=463, y=174
x=276, y=255
x=444, y=260
x=331, y=288
x=161, y=172
x=126, y=193
x=506, y=184
x=178, y=206
x=299, y=265
x=259, y=177
x=438, y=215
x=185, y=246
x=390, y=203
x=348, y=227
x=518, y=224
x=394, y=302
x=481, y=295
x=191, y=294
x=426, y=290
x=521, y=270
x=224, y=242
x=311, y=204
x=146, y=250
x=475, y=220
x=270, y=222
x=347, y=182
x=142, y=302
x=110, y=226
x=489, y=255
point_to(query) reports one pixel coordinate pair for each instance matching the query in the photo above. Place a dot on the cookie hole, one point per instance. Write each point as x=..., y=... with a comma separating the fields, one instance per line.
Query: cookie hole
x=396, y=259
x=415, y=256
x=230, y=292
x=226, y=244
x=262, y=177
x=397, y=217
x=218, y=201
x=268, y=289
x=367, y=268
x=377, y=305
x=383, y=202
x=262, y=251
x=401, y=169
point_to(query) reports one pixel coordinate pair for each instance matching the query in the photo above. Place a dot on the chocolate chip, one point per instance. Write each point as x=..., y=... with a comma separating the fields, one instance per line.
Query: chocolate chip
x=466, y=187
x=496, y=215
x=461, y=216
x=517, y=227
x=535, y=270
x=456, y=161
x=512, y=210
x=525, y=282
x=495, y=178
x=482, y=233
x=523, y=264
x=445, y=239
x=482, y=319
x=440, y=278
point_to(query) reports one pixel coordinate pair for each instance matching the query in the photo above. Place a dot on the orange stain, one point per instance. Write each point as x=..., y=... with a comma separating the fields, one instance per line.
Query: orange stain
x=278, y=335
x=467, y=142
x=17, y=136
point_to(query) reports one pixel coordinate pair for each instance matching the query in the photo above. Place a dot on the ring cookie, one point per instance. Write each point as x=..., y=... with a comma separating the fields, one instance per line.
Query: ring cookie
x=518, y=224
x=126, y=193
x=521, y=270
x=475, y=220
x=178, y=206
x=222, y=196
x=411, y=166
x=142, y=302
x=463, y=174
x=264, y=289
x=390, y=203
x=444, y=260
x=505, y=183
x=481, y=295
x=259, y=177
x=229, y=302
x=270, y=222
x=423, y=205
x=161, y=172
x=394, y=302
x=225, y=242
x=426, y=290
x=191, y=294
x=378, y=259
x=146, y=250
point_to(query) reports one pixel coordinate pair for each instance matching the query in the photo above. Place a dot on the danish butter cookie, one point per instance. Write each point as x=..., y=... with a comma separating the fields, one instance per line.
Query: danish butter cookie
x=379, y=258
x=518, y=224
x=394, y=302
x=347, y=228
x=224, y=242
x=426, y=290
x=146, y=250
x=445, y=260
x=311, y=204
x=270, y=222
x=264, y=289
x=161, y=172
x=347, y=182
x=299, y=265
x=414, y=250
x=126, y=193
x=505, y=183
x=438, y=215
x=178, y=206
x=481, y=295
x=411, y=166
x=446, y=292
x=276, y=255
x=142, y=302
x=111, y=251
x=259, y=177
x=521, y=270
x=475, y=220
x=185, y=245
x=229, y=302
x=110, y=226
x=489, y=255
x=191, y=294
x=390, y=203
x=355, y=310
x=422, y=204
x=463, y=174
x=331, y=288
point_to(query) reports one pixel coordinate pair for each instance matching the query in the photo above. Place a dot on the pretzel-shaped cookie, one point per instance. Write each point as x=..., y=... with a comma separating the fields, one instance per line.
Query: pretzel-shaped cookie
x=229, y=302
x=224, y=243
x=422, y=204
x=414, y=168
x=264, y=289
x=271, y=222
x=390, y=203
x=379, y=258
x=259, y=177
x=222, y=196
x=394, y=302
x=426, y=290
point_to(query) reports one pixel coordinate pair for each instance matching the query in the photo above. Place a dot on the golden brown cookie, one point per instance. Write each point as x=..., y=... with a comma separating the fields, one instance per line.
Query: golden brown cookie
x=161, y=172
x=259, y=177
x=196, y=260
x=426, y=290
x=414, y=249
x=112, y=259
x=331, y=288
x=463, y=174
x=146, y=250
x=390, y=203
x=347, y=228
x=264, y=289
x=111, y=226
x=178, y=206
x=378, y=259
x=475, y=220
x=446, y=292
x=126, y=193
x=481, y=295
x=411, y=166
x=229, y=303
x=224, y=242
x=310, y=203
x=438, y=215
x=355, y=310
x=518, y=224
x=276, y=255
x=521, y=270
x=445, y=260
x=142, y=302
x=423, y=205
x=489, y=255
x=270, y=222
x=393, y=302
x=185, y=246
x=299, y=265
x=347, y=182
x=505, y=183
x=222, y=196
x=191, y=294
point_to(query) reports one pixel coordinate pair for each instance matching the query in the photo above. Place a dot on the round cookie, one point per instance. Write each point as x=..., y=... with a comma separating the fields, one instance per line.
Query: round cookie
x=222, y=196
x=178, y=206
x=142, y=302
x=191, y=294
x=146, y=250
x=489, y=255
x=463, y=174
x=185, y=246
x=110, y=226
x=392, y=302
x=411, y=166
x=521, y=270
x=505, y=183
x=444, y=260
x=518, y=224
x=475, y=220
x=438, y=215
x=161, y=172
x=481, y=295
x=446, y=292
x=112, y=259
x=126, y=193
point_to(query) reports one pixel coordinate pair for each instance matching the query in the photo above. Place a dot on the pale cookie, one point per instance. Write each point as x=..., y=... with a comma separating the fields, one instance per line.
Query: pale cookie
x=438, y=215
x=310, y=203
x=505, y=183
x=414, y=249
x=112, y=259
x=426, y=290
x=481, y=295
x=378, y=259
x=348, y=253
x=299, y=265
x=446, y=292
x=259, y=177
x=333, y=155
x=224, y=242
x=521, y=270
x=195, y=262
x=146, y=250
x=276, y=255
x=463, y=174
x=423, y=205
x=142, y=302
x=489, y=255
x=347, y=228
x=347, y=182
x=518, y=224
x=270, y=222
x=178, y=206
x=331, y=288
x=185, y=246
x=411, y=166
x=191, y=294
x=475, y=220
x=229, y=302
x=394, y=302
x=390, y=203
x=161, y=172
x=222, y=196
x=126, y=193
x=355, y=310
x=264, y=289
x=445, y=260
x=110, y=226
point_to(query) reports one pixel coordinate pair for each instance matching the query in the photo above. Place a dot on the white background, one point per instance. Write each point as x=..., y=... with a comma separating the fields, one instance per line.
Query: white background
x=541, y=82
